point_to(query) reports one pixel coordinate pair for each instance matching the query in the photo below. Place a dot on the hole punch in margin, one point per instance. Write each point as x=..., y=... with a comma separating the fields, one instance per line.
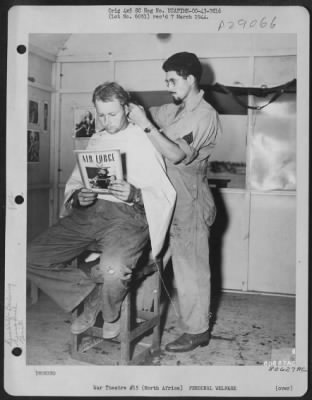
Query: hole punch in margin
x=17, y=351
x=21, y=49
x=19, y=199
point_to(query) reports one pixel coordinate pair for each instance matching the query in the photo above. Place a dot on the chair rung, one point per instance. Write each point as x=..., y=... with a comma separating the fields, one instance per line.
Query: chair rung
x=146, y=315
x=144, y=327
x=136, y=332
x=94, y=331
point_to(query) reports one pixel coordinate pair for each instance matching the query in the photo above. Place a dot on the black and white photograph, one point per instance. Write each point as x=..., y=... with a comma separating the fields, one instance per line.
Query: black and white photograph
x=33, y=112
x=33, y=146
x=84, y=122
x=100, y=178
x=192, y=275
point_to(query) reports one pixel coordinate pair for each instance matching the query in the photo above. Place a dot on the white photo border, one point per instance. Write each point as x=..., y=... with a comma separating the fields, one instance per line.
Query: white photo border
x=21, y=379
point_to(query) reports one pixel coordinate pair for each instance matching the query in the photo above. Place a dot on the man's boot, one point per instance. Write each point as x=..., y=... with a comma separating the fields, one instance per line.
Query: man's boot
x=188, y=342
x=111, y=329
x=91, y=308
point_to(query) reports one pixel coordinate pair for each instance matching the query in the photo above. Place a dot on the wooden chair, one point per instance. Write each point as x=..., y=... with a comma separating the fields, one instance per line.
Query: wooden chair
x=139, y=338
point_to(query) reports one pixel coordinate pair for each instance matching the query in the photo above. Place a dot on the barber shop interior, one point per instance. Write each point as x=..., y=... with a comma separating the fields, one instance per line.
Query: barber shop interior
x=249, y=81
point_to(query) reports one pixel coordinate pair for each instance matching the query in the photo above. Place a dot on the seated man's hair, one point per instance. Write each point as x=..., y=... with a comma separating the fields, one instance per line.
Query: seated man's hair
x=184, y=64
x=110, y=91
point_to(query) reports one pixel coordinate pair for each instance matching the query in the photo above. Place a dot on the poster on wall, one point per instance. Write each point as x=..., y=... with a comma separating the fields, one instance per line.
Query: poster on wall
x=245, y=331
x=33, y=112
x=45, y=116
x=84, y=122
x=33, y=146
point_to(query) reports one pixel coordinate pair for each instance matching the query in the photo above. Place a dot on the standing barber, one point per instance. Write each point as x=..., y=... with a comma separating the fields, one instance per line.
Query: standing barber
x=185, y=134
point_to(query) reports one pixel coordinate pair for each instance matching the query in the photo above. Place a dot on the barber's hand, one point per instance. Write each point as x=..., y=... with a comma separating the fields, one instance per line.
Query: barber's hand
x=138, y=116
x=86, y=197
x=121, y=189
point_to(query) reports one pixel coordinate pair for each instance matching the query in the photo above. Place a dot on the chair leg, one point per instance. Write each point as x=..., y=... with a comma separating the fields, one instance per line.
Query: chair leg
x=74, y=338
x=156, y=294
x=125, y=325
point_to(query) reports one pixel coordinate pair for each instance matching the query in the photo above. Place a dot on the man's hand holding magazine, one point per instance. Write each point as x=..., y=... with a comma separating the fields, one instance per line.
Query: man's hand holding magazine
x=121, y=189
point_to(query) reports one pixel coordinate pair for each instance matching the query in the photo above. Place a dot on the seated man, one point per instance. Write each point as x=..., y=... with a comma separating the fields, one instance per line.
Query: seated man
x=121, y=223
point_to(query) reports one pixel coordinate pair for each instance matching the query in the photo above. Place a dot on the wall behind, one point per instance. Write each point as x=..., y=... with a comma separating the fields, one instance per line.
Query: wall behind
x=135, y=61
x=38, y=167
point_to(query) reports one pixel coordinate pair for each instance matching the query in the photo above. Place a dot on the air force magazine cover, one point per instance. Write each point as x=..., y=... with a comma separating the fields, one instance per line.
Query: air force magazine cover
x=99, y=168
x=198, y=279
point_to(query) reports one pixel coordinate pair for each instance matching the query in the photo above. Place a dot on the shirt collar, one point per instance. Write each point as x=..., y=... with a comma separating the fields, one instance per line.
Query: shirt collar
x=194, y=101
x=104, y=132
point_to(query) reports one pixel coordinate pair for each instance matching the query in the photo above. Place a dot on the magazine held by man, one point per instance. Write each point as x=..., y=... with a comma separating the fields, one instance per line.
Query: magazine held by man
x=99, y=168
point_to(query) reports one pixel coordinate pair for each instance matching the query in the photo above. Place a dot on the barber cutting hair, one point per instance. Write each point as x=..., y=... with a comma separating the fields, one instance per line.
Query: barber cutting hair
x=185, y=133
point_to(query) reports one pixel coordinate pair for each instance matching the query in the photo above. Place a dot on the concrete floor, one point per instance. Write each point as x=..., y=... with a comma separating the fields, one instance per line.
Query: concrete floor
x=247, y=329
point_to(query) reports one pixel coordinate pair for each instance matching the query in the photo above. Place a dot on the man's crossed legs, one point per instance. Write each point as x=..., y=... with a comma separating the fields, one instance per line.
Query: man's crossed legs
x=120, y=233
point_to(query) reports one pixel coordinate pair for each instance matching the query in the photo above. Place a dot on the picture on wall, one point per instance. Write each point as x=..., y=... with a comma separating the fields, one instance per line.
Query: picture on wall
x=33, y=112
x=84, y=122
x=33, y=146
x=45, y=116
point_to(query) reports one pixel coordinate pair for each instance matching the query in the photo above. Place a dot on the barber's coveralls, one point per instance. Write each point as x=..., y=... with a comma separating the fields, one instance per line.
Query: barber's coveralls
x=121, y=231
x=194, y=128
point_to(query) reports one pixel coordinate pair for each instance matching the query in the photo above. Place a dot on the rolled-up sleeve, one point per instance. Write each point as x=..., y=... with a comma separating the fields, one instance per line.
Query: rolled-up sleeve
x=204, y=137
x=190, y=152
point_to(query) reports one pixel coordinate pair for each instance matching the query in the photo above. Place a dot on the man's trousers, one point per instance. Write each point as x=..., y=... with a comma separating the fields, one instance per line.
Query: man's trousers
x=120, y=233
x=189, y=242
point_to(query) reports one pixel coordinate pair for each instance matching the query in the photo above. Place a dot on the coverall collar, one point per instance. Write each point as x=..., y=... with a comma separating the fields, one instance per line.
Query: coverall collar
x=193, y=102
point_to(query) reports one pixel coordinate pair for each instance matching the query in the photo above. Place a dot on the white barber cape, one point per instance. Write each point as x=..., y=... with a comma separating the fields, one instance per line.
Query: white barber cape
x=145, y=169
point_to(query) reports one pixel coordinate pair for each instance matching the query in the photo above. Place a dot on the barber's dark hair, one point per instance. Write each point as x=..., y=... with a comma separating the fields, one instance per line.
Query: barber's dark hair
x=110, y=91
x=184, y=64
